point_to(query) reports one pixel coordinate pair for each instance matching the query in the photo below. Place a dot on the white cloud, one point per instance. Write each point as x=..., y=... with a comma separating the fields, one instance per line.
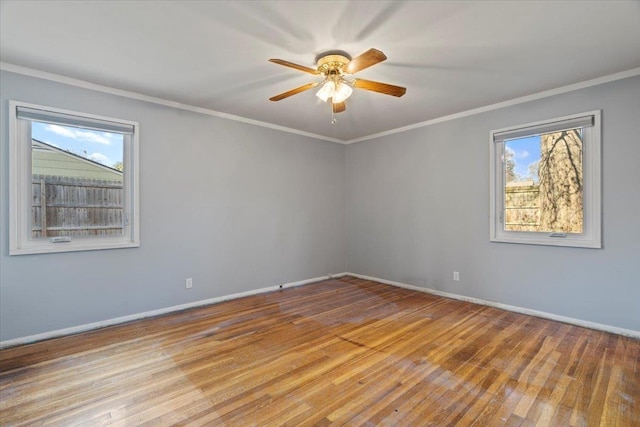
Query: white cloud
x=99, y=157
x=82, y=135
x=516, y=154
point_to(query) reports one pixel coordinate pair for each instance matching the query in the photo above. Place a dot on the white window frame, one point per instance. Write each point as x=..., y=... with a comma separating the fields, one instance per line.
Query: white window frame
x=20, y=187
x=591, y=237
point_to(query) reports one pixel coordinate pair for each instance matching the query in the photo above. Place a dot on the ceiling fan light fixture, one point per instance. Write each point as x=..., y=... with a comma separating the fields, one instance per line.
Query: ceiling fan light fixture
x=342, y=92
x=332, y=67
x=338, y=92
x=326, y=91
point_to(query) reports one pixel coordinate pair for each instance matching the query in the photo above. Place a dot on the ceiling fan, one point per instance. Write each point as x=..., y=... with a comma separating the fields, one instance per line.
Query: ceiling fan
x=333, y=66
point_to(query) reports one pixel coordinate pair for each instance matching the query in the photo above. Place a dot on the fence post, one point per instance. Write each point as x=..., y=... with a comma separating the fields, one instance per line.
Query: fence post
x=43, y=206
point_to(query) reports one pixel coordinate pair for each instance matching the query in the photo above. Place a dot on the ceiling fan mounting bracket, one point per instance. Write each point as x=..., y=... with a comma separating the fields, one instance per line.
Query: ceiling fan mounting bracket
x=332, y=52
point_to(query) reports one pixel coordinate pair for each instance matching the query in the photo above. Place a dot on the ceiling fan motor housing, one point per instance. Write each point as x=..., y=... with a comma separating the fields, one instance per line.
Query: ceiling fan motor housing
x=332, y=64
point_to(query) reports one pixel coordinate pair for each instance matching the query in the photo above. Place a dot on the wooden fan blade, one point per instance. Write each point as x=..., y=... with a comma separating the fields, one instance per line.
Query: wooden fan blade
x=385, y=88
x=294, y=91
x=366, y=60
x=296, y=66
x=339, y=107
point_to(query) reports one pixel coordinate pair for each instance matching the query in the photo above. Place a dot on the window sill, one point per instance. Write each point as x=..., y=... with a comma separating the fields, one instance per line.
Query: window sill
x=545, y=240
x=73, y=246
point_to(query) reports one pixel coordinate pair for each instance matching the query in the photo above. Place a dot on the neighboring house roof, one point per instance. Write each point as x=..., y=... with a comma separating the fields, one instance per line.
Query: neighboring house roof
x=50, y=160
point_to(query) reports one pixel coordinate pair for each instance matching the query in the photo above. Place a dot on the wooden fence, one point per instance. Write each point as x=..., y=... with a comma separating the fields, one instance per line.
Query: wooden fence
x=69, y=206
x=522, y=206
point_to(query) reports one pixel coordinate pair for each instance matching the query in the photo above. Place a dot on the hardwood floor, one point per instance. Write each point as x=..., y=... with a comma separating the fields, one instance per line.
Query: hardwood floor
x=341, y=352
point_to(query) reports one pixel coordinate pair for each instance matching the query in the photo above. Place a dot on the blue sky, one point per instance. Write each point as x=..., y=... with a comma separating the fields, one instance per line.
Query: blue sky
x=525, y=151
x=101, y=147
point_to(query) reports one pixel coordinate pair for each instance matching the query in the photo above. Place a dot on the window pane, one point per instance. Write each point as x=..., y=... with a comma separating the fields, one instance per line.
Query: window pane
x=77, y=182
x=543, y=179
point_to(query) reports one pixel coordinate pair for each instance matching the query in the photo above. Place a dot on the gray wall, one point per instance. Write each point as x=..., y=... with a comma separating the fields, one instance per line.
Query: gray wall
x=249, y=207
x=418, y=209
x=235, y=206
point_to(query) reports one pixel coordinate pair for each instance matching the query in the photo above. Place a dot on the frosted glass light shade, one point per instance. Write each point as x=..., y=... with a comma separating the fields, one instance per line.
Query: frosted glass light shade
x=342, y=92
x=327, y=91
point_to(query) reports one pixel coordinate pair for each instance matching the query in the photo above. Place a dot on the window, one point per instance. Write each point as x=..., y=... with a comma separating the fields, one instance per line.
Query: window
x=73, y=181
x=545, y=182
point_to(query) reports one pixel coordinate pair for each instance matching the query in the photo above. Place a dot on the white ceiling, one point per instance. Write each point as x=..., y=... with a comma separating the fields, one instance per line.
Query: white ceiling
x=451, y=56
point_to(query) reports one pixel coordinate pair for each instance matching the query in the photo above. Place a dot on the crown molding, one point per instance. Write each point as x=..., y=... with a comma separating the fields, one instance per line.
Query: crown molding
x=138, y=96
x=154, y=100
x=520, y=100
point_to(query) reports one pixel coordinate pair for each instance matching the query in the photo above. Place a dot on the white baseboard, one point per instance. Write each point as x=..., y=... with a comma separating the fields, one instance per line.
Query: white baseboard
x=115, y=321
x=514, y=308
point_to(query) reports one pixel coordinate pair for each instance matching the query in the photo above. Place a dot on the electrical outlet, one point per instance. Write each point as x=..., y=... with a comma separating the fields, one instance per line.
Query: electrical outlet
x=456, y=276
x=188, y=283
